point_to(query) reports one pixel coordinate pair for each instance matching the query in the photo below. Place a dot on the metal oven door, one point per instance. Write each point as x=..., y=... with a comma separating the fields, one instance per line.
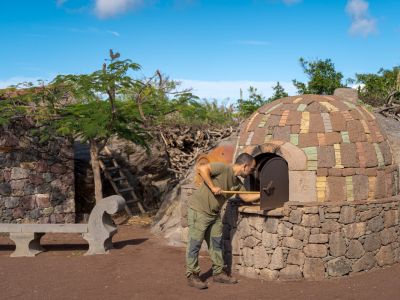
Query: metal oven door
x=274, y=183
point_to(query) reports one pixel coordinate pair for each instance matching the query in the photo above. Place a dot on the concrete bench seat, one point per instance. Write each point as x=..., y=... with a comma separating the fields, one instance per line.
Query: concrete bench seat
x=97, y=232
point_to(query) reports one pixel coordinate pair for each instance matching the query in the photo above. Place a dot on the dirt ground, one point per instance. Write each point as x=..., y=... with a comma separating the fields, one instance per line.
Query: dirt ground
x=143, y=267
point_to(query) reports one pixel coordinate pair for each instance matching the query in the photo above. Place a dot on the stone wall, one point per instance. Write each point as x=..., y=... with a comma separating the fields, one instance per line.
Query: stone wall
x=312, y=242
x=36, y=179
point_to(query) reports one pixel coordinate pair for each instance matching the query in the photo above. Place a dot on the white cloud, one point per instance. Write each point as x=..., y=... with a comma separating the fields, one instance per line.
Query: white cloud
x=361, y=21
x=253, y=42
x=115, y=33
x=109, y=8
x=231, y=89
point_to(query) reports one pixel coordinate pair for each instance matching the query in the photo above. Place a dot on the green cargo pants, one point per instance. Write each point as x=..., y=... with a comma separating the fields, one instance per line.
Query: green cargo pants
x=204, y=227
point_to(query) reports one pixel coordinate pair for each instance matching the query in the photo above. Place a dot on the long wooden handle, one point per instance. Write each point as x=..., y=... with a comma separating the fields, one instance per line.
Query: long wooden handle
x=239, y=192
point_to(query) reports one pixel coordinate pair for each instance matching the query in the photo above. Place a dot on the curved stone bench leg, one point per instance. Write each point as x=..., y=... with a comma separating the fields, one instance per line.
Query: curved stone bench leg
x=97, y=245
x=26, y=244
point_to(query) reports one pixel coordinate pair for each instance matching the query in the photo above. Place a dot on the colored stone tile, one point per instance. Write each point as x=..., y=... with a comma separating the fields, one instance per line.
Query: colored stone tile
x=349, y=155
x=347, y=115
x=322, y=172
x=356, y=131
x=264, y=120
x=379, y=156
x=365, y=126
x=349, y=104
x=255, y=119
x=345, y=137
x=316, y=123
x=302, y=107
x=348, y=171
x=360, y=190
x=295, y=129
x=316, y=107
x=361, y=154
x=321, y=139
x=321, y=188
x=270, y=110
x=336, y=189
x=370, y=116
x=282, y=121
x=305, y=122
x=370, y=155
x=334, y=172
x=294, y=118
x=311, y=153
x=371, y=187
x=338, y=156
x=297, y=100
x=281, y=133
x=250, y=136
x=312, y=165
x=258, y=136
x=268, y=138
x=294, y=138
x=333, y=138
x=329, y=106
x=307, y=140
x=326, y=157
x=349, y=188
x=356, y=114
x=380, y=188
x=338, y=121
x=327, y=122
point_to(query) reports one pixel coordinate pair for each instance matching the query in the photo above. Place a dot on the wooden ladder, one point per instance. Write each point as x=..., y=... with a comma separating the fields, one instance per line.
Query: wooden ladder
x=118, y=180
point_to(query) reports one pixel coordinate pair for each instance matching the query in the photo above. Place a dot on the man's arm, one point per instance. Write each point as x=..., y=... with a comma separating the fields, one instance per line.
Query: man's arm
x=249, y=197
x=205, y=173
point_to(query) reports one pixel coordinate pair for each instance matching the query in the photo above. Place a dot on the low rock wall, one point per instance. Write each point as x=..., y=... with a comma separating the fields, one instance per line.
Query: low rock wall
x=312, y=242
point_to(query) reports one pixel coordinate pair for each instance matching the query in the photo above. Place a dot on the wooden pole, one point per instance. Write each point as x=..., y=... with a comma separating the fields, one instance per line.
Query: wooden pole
x=240, y=192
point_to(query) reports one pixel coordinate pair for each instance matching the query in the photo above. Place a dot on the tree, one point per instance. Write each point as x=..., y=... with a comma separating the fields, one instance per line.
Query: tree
x=246, y=107
x=323, y=78
x=279, y=92
x=381, y=88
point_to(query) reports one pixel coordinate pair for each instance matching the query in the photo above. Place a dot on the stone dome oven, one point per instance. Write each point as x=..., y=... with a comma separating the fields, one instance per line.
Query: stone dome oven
x=329, y=192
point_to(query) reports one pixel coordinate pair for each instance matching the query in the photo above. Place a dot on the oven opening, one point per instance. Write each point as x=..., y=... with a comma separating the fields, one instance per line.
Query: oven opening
x=271, y=178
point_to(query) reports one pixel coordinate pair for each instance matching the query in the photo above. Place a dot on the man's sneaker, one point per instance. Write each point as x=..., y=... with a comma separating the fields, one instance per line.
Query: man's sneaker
x=224, y=278
x=194, y=281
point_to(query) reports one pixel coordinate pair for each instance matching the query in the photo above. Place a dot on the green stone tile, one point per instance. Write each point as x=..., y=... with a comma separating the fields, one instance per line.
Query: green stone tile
x=301, y=107
x=273, y=107
x=312, y=165
x=349, y=104
x=294, y=139
x=381, y=161
x=311, y=153
x=345, y=137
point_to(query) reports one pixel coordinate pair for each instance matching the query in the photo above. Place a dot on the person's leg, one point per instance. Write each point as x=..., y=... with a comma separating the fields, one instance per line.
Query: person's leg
x=198, y=224
x=213, y=237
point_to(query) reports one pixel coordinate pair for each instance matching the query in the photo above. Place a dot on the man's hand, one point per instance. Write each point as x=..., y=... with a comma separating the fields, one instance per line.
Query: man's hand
x=216, y=190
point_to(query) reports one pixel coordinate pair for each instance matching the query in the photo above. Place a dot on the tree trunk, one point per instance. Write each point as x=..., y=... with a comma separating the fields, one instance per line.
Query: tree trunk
x=94, y=159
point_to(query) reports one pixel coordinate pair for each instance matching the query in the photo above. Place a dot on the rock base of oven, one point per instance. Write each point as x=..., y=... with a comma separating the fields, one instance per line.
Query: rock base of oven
x=311, y=242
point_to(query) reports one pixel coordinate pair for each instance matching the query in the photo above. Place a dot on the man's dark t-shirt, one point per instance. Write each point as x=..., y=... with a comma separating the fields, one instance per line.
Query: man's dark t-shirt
x=204, y=201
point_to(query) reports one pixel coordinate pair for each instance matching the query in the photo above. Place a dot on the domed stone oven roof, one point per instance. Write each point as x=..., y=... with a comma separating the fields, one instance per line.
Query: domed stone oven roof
x=335, y=149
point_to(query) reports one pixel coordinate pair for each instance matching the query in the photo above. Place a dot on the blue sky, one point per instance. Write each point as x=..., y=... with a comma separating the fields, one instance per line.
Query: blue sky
x=216, y=47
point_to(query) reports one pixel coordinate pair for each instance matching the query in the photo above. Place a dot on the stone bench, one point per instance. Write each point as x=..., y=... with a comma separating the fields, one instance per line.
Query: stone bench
x=97, y=232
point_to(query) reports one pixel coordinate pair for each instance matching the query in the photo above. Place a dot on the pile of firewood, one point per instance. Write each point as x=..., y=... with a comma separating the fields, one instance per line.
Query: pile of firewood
x=392, y=110
x=183, y=144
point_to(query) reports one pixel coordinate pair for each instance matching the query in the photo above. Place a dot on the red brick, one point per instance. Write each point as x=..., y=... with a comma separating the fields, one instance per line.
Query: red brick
x=333, y=138
x=316, y=123
x=360, y=187
x=273, y=120
x=308, y=140
x=336, y=189
x=322, y=172
x=326, y=157
x=267, y=106
x=389, y=185
x=338, y=121
x=294, y=118
x=243, y=138
x=282, y=133
x=360, y=171
x=348, y=154
x=356, y=131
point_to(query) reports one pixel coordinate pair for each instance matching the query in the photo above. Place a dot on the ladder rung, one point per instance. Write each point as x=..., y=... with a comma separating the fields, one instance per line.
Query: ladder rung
x=119, y=178
x=131, y=201
x=125, y=190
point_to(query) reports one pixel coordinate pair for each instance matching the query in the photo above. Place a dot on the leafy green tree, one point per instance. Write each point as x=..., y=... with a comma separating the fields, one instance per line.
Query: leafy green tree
x=381, y=88
x=246, y=107
x=322, y=75
x=279, y=92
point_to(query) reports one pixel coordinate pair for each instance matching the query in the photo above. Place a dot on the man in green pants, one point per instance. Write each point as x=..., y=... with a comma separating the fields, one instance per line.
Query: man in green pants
x=204, y=217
